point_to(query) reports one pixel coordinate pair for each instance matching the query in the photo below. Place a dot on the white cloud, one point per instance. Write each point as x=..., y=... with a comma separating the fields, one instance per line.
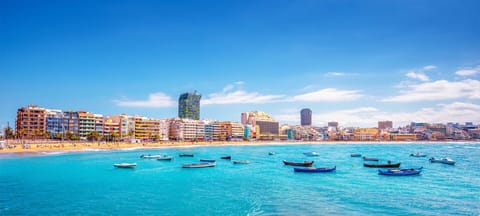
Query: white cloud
x=158, y=99
x=328, y=94
x=335, y=74
x=420, y=73
x=369, y=116
x=429, y=67
x=438, y=90
x=240, y=97
x=231, y=96
x=468, y=71
x=419, y=76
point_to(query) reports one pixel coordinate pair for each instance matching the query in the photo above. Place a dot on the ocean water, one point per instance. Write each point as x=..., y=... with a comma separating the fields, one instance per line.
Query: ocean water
x=87, y=184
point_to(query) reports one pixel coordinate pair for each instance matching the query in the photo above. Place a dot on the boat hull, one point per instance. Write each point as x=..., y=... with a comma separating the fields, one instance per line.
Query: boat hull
x=315, y=170
x=165, y=158
x=393, y=165
x=370, y=159
x=226, y=157
x=185, y=155
x=198, y=165
x=355, y=155
x=207, y=160
x=125, y=165
x=443, y=161
x=241, y=162
x=400, y=172
x=303, y=164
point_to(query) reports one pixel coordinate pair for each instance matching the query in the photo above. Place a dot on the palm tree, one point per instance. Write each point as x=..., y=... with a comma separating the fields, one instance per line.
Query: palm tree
x=94, y=136
x=115, y=136
x=9, y=133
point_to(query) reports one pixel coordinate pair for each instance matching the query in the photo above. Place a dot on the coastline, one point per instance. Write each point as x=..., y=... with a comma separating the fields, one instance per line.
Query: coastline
x=52, y=148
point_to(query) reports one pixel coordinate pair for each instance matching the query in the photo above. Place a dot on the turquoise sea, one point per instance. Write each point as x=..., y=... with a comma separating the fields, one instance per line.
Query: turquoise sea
x=86, y=183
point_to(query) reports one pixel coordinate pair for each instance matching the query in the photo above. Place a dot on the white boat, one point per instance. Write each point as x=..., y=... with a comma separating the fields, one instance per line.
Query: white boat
x=311, y=154
x=125, y=165
x=151, y=156
x=446, y=160
x=240, y=161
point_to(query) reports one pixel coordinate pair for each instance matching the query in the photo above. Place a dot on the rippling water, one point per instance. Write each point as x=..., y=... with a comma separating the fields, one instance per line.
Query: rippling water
x=88, y=184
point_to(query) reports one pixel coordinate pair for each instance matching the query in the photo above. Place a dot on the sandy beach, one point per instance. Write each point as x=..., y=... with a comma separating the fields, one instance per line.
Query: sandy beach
x=45, y=147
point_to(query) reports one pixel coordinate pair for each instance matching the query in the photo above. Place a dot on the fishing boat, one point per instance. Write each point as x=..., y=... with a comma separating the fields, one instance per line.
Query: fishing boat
x=355, y=155
x=185, y=155
x=198, y=165
x=418, y=154
x=125, y=165
x=271, y=153
x=240, y=161
x=311, y=154
x=387, y=165
x=370, y=159
x=304, y=164
x=400, y=172
x=446, y=160
x=228, y=157
x=207, y=160
x=150, y=156
x=165, y=158
x=315, y=169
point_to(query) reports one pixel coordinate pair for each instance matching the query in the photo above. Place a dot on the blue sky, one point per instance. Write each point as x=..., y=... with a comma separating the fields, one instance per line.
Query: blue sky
x=355, y=62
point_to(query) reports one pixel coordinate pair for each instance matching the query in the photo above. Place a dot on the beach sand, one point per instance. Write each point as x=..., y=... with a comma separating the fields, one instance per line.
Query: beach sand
x=32, y=148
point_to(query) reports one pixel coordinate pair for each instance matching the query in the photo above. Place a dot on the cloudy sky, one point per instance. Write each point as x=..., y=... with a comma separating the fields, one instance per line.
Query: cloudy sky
x=351, y=62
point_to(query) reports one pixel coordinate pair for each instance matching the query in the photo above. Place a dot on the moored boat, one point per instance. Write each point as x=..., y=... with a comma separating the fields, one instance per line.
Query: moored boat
x=185, y=155
x=446, y=160
x=387, y=165
x=355, y=155
x=125, y=165
x=150, y=156
x=207, y=160
x=418, y=154
x=315, y=169
x=400, y=172
x=198, y=165
x=271, y=153
x=370, y=159
x=311, y=154
x=240, y=161
x=228, y=157
x=165, y=158
x=304, y=164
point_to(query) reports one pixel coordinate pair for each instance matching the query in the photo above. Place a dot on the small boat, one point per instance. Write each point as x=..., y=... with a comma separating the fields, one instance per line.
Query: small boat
x=165, y=158
x=185, y=155
x=198, y=165
x=355, y=155
x=150, y=156
x=387, y=165
x=311, y=154
x=400, y=172
x=315, y=169
x=228, y=157
x=304, y=164
x=125, y=165
x=207, y=160
x=418, y=154
x=370, y=159
x=240, y=161
x=271, y=153
x=446, y=160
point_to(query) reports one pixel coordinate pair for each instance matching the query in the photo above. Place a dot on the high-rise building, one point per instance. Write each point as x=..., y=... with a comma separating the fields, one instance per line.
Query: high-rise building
x=86, y=123
x=30, y=122
x=70, y=122
x=189, y=105
x=54, y=123
x=385, y=125
x=306, y=117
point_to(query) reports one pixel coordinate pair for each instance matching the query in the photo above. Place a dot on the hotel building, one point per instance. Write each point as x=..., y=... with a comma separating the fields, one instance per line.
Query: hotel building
x=86, y=123
x=30, y=122
x=265, y=126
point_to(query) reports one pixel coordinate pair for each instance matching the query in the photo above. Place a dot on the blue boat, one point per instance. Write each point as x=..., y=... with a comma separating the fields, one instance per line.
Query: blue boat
x=315, y=169
x=400, y=172
x=355, y=155
x=207, y=160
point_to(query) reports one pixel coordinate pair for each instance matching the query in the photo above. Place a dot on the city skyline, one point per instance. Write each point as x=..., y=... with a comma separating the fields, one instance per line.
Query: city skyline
x=355, y=64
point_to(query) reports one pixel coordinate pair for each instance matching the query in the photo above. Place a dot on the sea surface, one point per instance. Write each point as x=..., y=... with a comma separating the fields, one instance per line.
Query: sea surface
x=86, y=183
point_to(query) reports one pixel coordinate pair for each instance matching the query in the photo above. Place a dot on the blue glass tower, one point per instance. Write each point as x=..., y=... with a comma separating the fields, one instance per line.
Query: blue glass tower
x=189, y=105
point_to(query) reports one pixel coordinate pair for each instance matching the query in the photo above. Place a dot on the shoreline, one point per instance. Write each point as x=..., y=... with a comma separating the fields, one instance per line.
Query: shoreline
x=66, y=147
